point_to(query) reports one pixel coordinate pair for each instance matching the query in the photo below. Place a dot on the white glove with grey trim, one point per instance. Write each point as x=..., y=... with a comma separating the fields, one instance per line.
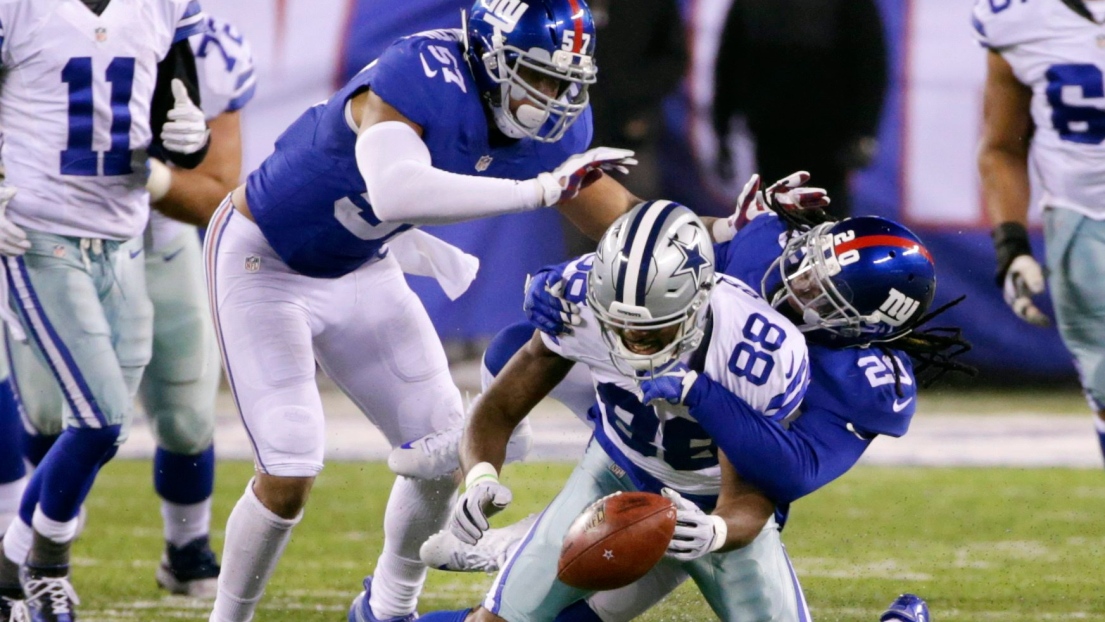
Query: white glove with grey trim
x=696, y=532
x=483, y=498
x=186, y=130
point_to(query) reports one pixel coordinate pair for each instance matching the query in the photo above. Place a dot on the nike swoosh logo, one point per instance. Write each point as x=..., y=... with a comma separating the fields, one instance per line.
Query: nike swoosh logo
x=170, y=256
x=429, y=72
x=900, y=406
x=136, y=253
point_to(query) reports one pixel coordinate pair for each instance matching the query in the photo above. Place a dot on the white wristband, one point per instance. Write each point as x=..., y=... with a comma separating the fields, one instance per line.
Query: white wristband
x=159, y=181
x=721, y=532
x=483, y=470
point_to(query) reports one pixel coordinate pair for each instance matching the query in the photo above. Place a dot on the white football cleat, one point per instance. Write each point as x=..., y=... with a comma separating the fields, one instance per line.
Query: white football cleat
x=436, y=455
x=445, y=552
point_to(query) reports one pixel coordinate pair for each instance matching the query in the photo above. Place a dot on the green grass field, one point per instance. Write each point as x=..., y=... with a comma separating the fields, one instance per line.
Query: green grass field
x=1005, y=545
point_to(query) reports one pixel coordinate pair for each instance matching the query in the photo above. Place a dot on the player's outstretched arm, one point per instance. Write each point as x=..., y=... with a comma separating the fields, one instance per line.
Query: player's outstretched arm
x=743, y=507
x=528, y=377
x=785, y=463
x=598, y=205
x=740, y=516
x=404, y=186
x=191, y=196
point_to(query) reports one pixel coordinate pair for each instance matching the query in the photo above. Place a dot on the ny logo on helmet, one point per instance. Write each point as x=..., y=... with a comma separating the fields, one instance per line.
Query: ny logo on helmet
x=504, y=14
x=898, y=308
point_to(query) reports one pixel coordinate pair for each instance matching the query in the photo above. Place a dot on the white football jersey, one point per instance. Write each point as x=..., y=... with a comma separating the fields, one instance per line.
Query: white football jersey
x=224, y=63
x=753, y=351
x=75, y=108
x=1060, y=54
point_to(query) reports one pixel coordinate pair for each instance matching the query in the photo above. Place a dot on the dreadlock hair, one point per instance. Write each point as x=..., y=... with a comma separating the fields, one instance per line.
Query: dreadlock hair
x=934, y=348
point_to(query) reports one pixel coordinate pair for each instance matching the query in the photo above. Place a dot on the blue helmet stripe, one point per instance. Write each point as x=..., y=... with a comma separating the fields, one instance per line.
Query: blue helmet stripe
x=619, y=286
x=646, y=256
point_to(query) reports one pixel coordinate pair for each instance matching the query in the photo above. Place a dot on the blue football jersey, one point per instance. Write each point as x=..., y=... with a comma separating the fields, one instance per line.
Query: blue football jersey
x=855, y=383
x=309, y=198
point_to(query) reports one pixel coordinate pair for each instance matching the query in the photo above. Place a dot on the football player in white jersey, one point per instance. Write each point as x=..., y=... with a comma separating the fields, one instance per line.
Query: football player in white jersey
x=654, y=308
x=91, y=87
x=181, y=381
x=1044, y=104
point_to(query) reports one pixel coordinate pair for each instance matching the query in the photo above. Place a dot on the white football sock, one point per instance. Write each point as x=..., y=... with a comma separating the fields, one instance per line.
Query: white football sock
x=61, y=532
x=416, y=510
x=255, y=540
x=11, y=494
x=17, y=541
x=184, y=523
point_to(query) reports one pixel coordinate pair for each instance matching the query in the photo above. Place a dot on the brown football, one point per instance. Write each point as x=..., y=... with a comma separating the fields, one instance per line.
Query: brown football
x=616, y=540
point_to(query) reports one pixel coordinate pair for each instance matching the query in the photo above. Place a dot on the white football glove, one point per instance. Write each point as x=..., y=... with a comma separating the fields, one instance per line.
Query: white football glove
x=581, y=170
x=1023, y=280
x=696, y=532
x=483, y=498
x=788, y=192
x=13, y=240
x=186, y=131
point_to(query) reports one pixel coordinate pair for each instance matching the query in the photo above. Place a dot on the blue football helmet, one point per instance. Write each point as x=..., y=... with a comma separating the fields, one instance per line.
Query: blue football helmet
x=510, y=44
x=854, y=282
x=907, y=608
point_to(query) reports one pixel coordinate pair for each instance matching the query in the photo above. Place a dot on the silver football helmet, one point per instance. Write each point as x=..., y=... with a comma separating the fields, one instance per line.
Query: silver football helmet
x=654, y=269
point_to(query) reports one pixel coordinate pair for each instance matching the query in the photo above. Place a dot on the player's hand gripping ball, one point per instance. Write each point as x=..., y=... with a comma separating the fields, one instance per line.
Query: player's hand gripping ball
x=616, y=541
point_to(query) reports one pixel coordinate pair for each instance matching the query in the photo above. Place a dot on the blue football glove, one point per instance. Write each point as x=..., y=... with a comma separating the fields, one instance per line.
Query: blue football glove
x=545, y=305
x=672, y=386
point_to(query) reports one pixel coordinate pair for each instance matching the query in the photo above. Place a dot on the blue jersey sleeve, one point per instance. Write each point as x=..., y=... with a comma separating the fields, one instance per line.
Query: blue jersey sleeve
x=873, y=388
x=749, y=254
x=785, y=463
x=421, y=76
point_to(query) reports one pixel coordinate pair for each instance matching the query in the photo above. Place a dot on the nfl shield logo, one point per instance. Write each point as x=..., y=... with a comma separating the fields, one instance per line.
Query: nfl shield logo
x=101, y=34
x=253, y=263
x=483, y=163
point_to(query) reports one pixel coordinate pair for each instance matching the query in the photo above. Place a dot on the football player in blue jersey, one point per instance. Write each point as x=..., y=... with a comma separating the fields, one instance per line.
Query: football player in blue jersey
x=305, y=261
x=850, y=285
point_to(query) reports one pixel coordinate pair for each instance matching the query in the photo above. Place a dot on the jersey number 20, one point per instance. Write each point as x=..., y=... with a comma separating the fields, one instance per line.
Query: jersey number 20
x=79, y=158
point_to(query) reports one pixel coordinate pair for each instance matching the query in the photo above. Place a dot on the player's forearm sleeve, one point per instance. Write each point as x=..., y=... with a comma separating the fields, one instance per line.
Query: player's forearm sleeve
x=403, y=185
x=786, y=464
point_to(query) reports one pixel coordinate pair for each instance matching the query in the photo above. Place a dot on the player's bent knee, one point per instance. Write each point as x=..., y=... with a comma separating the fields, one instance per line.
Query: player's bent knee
x=185, y=431
x=283, y=496
x=290, y=440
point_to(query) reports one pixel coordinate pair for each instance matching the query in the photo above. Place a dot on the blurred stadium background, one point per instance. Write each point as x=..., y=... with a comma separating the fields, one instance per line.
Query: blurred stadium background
x=994, y=543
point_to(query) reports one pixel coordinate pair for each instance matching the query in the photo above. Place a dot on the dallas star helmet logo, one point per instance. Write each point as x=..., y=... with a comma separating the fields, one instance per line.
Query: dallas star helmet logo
x=693, y=262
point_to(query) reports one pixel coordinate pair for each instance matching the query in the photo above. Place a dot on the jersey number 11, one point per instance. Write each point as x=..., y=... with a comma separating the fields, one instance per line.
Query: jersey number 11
x=79, y=158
